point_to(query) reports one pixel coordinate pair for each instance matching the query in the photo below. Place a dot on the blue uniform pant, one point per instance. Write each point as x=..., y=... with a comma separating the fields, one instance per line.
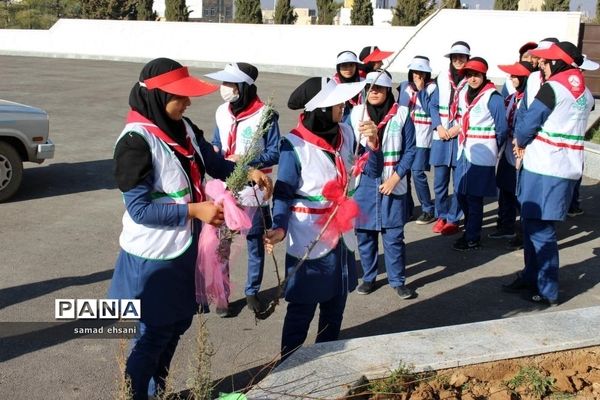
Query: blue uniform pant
x=299, y=316
x=507, y=210
x=256, y=251
x=541, y=256
x=149, y=361
x=472, y=207
x=422, y=189
x=446, y=207
x=575, y=199
x=394, y=252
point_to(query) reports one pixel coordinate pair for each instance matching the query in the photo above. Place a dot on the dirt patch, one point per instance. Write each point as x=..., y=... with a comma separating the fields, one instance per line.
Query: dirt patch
x=573, y=374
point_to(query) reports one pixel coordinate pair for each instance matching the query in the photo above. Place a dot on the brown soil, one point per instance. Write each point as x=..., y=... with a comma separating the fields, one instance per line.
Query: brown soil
x=563, y=375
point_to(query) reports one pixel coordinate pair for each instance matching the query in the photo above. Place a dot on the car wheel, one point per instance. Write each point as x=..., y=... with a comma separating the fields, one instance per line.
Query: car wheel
x=11, y=171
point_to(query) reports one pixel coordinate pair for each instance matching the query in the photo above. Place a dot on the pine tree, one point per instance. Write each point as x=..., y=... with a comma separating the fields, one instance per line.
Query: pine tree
x=555, y=5
x=361, y=13
x=451, y=4
x=284, y=13
x=411, y=12
x=506, y=5
x=144, y=10
x=326, y=11
x=248, y=12
x=176, y=10
x=598, y=12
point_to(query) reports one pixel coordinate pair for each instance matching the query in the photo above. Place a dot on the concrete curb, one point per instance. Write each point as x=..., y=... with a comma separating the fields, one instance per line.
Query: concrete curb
x=326, y=370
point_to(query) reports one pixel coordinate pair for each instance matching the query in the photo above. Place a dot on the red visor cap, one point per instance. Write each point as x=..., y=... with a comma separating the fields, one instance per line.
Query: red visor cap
x=475, y=65
x=553, y=53
x=377, y=55
x=180, y=83
x=515, y=69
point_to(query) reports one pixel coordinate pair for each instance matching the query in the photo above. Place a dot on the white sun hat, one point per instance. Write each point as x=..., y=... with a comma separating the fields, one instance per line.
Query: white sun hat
x=332, y=93
x=231, y=73
x=346, y=57
x=375, y=78
x=420, y=63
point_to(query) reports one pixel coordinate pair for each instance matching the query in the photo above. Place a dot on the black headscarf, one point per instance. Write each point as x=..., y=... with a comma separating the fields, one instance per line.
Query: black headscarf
x=320, y=121
x=557, y=66
x=364, y=53
x=353, y=78
x=152, y=103
x=523, y=79
x=377, y=113
x=473, y=92
x=247, y=92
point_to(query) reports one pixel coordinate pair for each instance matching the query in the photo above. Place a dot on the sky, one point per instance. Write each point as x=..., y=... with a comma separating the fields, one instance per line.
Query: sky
x=584, y=5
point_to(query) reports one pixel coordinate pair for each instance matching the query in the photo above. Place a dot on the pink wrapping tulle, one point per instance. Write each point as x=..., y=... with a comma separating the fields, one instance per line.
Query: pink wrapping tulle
x=212, y=276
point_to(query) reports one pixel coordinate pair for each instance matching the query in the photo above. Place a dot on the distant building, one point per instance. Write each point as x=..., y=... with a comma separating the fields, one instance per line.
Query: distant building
x=375, y=3
x=306, y=16
x=194, y=6
x=217, y=11
x=382, y=13
x=530, y=5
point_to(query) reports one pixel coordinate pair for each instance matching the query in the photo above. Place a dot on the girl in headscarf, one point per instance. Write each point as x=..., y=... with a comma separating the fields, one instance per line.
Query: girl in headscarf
x=161, y=158
x=381, y=190
x=481, y=131
x=237, y=121
x=450, y=83
x=420, y=94
x=549, y=137
x=347, y=71
x=506, y=174
x=314, y=157
x=372, y=59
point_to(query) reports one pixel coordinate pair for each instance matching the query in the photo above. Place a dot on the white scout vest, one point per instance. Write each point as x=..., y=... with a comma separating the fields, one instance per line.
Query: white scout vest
x=444, y=90
x=246, y=127
x=421, y=118
x=171, y=186
x=391, y=143
x=316, y=169
x=557, y=150
x=532, y=87
x=480, y=146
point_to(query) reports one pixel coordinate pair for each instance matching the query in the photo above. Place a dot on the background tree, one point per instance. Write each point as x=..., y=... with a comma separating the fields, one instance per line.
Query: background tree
x=361, y=13
x=144, y=10
x=284, y=13
x=176, y=10
x=506, y=5
x=555, y=5
x=411, y=12
x=248, y=12
x=326, y=11
x=451, y=4
x=94, y=9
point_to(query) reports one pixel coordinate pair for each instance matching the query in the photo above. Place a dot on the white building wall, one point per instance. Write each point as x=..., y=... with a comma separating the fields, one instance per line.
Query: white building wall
x=296, y=49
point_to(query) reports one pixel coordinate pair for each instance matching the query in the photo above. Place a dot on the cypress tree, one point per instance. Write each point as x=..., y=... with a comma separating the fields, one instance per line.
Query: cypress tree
x=144, y=10
x=451, y=4
x=327, y=10
x=555, y=5
x=176, y=10
x=411, y=12
x=506, y=5
x=361, y=13
x=284, y=13
x=248, y=12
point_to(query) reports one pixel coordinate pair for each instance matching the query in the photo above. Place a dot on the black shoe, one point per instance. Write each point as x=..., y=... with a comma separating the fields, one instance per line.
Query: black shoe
x=463, y=244
x=502, y=234
x=575, y=211
x=404, y=292
x=254, y=304
x=365, y=288
x=425, y=218
x=539, y=299
x=515, y=244
x=223, y=312
x=518, y=285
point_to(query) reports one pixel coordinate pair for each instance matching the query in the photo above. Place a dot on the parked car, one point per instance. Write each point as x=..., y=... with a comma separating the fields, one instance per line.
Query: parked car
x=23, y=137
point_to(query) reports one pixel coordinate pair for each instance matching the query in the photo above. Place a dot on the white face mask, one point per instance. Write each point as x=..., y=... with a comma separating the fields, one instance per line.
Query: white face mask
x=228, y=94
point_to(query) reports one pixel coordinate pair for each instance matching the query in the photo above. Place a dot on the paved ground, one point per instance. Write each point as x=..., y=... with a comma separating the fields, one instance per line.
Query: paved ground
x=58, y=239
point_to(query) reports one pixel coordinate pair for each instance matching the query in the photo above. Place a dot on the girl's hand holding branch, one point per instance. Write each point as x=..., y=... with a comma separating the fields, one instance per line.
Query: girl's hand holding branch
x=272, y=237
x=368, y=129
x=207, y=211
x=263, y=181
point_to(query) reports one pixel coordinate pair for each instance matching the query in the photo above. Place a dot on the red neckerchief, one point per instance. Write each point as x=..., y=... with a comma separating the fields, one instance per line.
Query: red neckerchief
x=302, y=132
x=252, y=108
x=462, y=135
x=453, y=107
x=572, y=80
x=516, y=99
x=195, y=169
